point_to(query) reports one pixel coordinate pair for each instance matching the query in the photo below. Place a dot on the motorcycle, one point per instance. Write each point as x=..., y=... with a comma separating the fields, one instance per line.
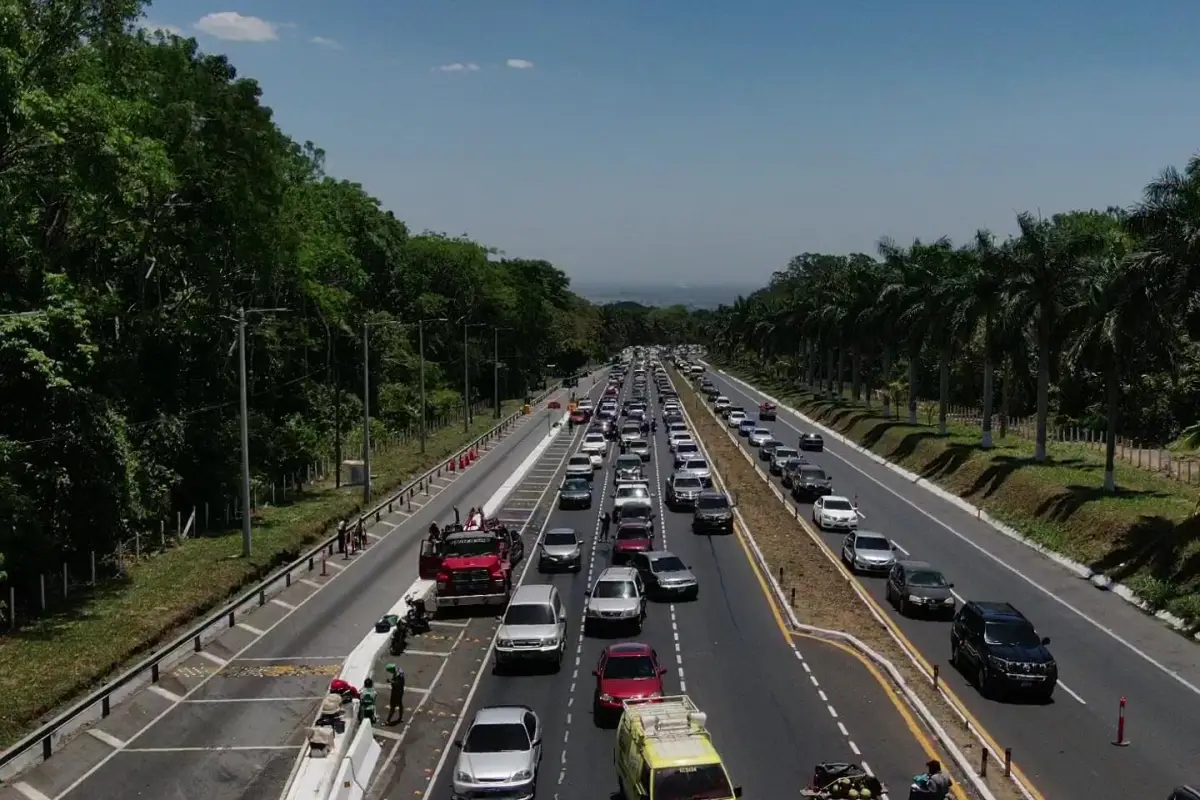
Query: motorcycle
x=416, y=619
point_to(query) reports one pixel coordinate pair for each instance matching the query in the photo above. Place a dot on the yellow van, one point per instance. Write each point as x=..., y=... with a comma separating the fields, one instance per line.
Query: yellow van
x=664, y=752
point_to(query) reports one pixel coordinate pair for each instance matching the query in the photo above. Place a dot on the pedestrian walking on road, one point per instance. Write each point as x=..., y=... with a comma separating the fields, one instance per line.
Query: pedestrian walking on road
x=360, y=535
x=605, y=522
x=396, y=699
x=341, y=536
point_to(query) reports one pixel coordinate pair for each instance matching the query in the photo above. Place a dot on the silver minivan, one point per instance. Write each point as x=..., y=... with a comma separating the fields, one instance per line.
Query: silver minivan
x=534, y=628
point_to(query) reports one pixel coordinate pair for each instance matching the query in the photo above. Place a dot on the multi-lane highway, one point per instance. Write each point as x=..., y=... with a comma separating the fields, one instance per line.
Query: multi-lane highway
x=227, y=723
x=776, y=704
x=1105, y=648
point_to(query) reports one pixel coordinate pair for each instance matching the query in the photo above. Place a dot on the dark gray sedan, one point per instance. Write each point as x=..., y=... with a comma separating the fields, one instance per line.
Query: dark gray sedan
x=665, y=575
x=917, y=588
x=575, y=493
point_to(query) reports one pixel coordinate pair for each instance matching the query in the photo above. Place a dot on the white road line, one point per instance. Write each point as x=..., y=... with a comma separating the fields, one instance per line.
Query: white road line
x=281, y=604
x=206, y=700
x=430, y=653
x=334, y=565
x=227, y=749
x=1071, y=692
x=161, y=692
x=106, y=737
x=338, y=659
x=447, y=623
x=220, y=662
x=29, y=791
x=1116, y=637
x=310, y=582
x=250, y=628
x=900, y=547
x=386, y=734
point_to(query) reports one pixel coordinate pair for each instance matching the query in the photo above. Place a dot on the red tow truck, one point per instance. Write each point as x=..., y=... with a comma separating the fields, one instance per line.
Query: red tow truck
x=766, y=411
x=472, y=563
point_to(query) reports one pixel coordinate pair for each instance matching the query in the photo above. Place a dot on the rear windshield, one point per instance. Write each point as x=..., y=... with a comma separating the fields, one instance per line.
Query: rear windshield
x=635, y=532
x=696, y=463
x=707, y=782
x=613, y=589
x=629, y=462
x=784, y=453
x=560, y=538
x=579, y=461
x=872, y=543
x=502, y=738
x=625, y=668
x=838, y=505
x=688, y=483
x=714, y=502
x=812, y=472
x=633, y=491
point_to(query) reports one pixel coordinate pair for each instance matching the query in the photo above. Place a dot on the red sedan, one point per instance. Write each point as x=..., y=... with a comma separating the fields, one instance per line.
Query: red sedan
x=633, y=536
x=627, y=671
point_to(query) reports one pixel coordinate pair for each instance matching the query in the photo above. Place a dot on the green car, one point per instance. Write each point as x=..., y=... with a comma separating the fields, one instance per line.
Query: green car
x=575, y=493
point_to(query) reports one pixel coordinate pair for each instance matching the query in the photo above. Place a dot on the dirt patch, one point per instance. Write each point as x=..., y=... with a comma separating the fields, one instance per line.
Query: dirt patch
x=1146, y=535
x=822, y=596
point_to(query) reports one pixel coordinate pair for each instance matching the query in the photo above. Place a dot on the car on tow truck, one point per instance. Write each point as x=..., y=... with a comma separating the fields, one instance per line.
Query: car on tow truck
x=629, y=470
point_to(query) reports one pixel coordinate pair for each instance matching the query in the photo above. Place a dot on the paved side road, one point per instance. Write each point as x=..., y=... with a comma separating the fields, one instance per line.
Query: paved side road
x=228, y=722
x=1105, y=648
x=776, y=706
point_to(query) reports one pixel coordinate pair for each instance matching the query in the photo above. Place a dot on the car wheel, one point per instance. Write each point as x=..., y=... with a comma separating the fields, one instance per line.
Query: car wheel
x=888, y=594
x=981, y=681
x=903, y=607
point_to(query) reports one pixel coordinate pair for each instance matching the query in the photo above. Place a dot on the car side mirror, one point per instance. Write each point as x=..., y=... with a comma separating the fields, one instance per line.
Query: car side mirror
x=537, y=740
x=458, y=743
x=949, y=585
x=662, y=671
x=1045, y=640
x=595, y=673
x=737, y=791
x=892, y=545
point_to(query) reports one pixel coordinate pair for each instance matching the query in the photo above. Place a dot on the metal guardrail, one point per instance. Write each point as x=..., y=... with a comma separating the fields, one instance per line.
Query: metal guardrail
x=228, y=613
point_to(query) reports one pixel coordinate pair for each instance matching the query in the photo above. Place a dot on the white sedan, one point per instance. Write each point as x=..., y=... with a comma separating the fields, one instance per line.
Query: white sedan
x=834, y=512
x=760, y=436
x=678, y=439
x=594, y=443
x=735, y=419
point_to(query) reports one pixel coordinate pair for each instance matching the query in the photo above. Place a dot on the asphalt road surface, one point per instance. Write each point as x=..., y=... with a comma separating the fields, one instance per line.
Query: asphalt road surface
x=1105, y=648
x=776, y=705
x=228, y=723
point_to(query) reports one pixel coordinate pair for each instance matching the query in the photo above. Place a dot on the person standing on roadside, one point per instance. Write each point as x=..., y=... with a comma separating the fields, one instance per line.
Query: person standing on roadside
x=396, y=697
x=341, y=536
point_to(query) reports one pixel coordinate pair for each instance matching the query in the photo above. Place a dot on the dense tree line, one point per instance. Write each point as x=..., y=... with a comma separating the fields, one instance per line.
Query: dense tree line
x=145, y=196
x=1086, y=318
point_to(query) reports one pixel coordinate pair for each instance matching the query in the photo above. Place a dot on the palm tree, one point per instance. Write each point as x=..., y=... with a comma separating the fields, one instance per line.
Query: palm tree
x=981, y=298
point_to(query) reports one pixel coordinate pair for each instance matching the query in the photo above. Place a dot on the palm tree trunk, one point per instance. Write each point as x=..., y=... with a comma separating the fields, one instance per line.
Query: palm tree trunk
x=1005, y=396
x=943, y=390
x=912, y=388
x=985, y=440
x=1043, y=390
x=865, y=372
x=885, y=378
x=829, y=362
x=1113, y=379
x=856, y=374
x=841, y=373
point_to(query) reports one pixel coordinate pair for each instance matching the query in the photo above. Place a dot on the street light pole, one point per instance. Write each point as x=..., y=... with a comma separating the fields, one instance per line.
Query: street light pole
x=424, y=408
x=466, y=378
x=244, y=404
x=496, y=372
x=366, y=415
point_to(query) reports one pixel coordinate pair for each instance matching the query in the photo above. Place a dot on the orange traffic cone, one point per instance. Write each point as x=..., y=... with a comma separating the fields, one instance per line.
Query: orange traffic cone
x=473, y=455
x=450, y=465
x=462, y=462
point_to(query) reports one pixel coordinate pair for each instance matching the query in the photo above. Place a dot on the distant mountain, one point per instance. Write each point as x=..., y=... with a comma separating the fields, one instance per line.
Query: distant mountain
x=694, y=297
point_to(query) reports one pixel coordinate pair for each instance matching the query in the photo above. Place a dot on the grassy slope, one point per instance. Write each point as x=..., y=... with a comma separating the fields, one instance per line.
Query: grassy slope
x=59, y=657
x=1144, y=536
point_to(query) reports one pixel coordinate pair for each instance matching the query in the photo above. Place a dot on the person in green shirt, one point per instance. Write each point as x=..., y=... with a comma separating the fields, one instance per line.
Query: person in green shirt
x=367, y=702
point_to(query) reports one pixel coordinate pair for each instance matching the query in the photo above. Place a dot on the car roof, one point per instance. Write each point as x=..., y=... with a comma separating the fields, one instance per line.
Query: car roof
x=876, y=534
x=562, y=530
x=617, y=574
x=998, y=612
x=908, y=564
x=836, y=497
x=711, y=494
x=502, y=715
x=628, y=649
x=531, y=594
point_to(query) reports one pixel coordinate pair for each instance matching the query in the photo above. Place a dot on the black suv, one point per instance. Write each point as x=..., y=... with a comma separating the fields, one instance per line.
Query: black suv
x=997, y=648
x=713, y=513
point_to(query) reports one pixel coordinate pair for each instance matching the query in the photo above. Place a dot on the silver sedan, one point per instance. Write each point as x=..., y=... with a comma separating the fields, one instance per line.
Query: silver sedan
x=500, y=754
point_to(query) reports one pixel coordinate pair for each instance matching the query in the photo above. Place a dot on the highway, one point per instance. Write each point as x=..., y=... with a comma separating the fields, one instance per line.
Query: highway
x=1105, y=648
x=771, y=701
x=228, y=722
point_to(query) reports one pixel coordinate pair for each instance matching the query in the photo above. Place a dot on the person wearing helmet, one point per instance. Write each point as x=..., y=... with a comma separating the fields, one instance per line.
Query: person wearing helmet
x=934, y=783
x=367, y=703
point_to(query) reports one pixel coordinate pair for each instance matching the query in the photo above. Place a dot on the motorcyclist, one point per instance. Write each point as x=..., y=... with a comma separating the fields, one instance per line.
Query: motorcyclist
x=933, y=783
x=653, y=426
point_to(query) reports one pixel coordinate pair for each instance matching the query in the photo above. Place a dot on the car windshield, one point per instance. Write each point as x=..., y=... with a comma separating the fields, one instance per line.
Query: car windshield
x=668, y=564
x=631, y=430
x=706, y=782
x=614, y=589
x=1010, y=634
x=626, y=668
x=637, y=509
x=576, y=485
x=629, y=462
x=594, y=438
x=635, y=532
x=581, y=461
x=927, y=577
x=529, y=615
x=784, y=453
x=872, y=543
x=688, y=483
x=697, y=464
x=497, y=738
x=638, y=492
x=761, y=432
x=838, y=505
x=471, y=546
x=639, y=444
x=713, y=502
x=560, y=538
x=685, y=447
x=813, y=473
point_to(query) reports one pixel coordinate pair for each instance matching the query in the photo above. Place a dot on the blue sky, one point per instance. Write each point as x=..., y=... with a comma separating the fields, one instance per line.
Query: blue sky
x=662, y=141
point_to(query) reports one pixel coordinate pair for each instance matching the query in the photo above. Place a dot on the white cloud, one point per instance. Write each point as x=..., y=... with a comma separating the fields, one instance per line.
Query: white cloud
x=152, y=27
x=323, y=42
x=519, y=63
x=234, y=27
x=458, y=66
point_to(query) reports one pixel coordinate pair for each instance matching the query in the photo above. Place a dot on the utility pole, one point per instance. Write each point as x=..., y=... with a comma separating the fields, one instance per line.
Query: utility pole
x=466, y=378
x=366, y=415
x=424, y=408
x=244, y=404
x=496, y=372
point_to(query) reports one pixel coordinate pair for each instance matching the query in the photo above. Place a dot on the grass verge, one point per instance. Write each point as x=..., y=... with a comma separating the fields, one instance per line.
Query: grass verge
x=823, y=598
x=1146, y=535
x=60, y=657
